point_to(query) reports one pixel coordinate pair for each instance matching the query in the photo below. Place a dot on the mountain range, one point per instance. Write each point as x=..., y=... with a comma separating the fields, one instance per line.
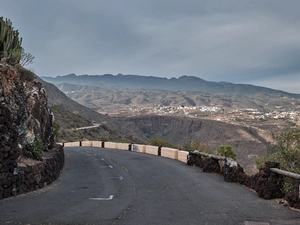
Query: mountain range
x=183, y=83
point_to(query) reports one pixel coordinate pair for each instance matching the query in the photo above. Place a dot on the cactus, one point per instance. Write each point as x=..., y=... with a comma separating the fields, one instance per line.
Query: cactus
x=10, y=43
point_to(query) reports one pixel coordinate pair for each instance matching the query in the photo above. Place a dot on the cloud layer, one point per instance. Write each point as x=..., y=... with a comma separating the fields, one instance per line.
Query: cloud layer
x=249, y=41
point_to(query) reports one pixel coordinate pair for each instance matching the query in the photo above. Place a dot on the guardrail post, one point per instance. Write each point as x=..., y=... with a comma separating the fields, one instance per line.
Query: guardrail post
x=63, y=144
x=103, y=144
x=130, y=147
x=80, y=143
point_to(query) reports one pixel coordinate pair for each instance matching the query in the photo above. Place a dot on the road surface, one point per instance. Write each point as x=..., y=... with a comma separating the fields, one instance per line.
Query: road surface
x=101, y=186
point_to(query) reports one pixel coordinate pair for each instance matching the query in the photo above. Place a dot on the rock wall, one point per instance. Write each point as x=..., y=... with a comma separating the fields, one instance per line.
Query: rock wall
x=24, y=114
x=31, y=175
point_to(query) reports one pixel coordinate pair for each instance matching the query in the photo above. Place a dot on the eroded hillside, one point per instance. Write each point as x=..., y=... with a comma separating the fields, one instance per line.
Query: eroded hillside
x=246, y=141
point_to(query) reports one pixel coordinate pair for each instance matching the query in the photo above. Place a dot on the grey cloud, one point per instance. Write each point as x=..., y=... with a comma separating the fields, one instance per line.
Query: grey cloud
x=233, y=40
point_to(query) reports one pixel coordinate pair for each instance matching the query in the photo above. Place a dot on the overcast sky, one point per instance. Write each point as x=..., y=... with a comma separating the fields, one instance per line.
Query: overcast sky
x=240, y=41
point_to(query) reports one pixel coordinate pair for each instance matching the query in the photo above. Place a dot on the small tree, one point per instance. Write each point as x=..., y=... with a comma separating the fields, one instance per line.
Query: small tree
x=226, y=151
x=26, y=58
x=285, y=150
x=287, y=140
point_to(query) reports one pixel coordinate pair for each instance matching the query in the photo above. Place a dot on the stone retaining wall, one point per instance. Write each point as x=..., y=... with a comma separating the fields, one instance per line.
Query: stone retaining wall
x=31, y=176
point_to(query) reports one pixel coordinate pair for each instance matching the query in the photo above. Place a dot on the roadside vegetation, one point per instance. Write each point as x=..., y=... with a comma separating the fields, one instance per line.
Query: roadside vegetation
x=161, y=142
x=226, y=151
x=286, y=151
x=35, y=148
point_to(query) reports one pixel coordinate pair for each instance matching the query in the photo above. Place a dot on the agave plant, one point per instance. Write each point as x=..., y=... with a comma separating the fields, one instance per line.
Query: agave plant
x=10, y=43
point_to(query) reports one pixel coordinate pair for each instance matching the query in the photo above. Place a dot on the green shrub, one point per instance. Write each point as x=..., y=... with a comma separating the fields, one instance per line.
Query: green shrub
x=288, y=185
x=161, y=142
x=286, y=140
x=285, y=150
x=36, y=147
x=288, y=160
x=227, y=151
x=191, y=146
x=103, y=137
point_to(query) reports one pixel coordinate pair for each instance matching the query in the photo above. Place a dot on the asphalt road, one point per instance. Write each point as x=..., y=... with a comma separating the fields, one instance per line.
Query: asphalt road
x=101, y=186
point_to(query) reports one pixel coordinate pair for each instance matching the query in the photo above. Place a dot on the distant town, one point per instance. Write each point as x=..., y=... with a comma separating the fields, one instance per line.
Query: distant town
x=213, y=112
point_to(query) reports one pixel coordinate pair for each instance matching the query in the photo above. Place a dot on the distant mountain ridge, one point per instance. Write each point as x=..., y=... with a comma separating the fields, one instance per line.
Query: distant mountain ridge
x=183, y=83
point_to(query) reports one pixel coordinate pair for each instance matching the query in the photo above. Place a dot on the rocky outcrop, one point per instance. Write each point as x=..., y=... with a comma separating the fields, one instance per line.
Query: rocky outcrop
x=268, y=185
x=24, y=114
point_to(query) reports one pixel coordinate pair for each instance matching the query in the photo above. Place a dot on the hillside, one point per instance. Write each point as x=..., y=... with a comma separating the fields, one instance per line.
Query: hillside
x=246, y=141
x=56, y=97
x=123, y=101
x=69, y=114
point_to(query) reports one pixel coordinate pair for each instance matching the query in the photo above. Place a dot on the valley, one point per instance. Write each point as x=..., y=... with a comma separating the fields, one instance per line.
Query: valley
x=255, y=110
x=135, y=115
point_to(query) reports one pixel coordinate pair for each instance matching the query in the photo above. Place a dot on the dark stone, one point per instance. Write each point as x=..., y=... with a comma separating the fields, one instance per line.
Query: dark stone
x=14, y=153
x=4, y=169
x=265, y=172
x=211, y=165
x=6, y=192
x=272, y=164
x=27, y=154
x=28, y=169
x=193, y=159
x=1, y=193
x=5, y=155
x=3, y=176
x=235, y=174
x=3, y=128
x=293, y=198
x=268, y=187
x=35, y=169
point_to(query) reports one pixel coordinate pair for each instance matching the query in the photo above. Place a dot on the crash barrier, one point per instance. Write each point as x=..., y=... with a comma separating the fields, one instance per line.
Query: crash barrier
x=148, y=149
x=288, y=174
x=268, y=182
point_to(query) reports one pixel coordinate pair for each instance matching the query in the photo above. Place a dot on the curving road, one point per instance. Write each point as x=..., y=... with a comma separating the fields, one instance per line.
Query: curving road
x=101, y=186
